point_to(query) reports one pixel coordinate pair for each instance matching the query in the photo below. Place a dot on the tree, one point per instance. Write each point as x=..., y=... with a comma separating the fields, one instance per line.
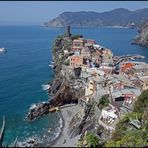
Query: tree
x=92, y=140
x=142, y=102
x=67, y=62
x=104, y=101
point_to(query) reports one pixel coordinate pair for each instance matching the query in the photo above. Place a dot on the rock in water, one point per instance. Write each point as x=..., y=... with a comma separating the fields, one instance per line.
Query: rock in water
x=38, y=110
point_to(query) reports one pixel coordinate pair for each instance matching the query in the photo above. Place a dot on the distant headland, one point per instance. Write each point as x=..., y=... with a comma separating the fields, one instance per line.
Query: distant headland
x=120, y=17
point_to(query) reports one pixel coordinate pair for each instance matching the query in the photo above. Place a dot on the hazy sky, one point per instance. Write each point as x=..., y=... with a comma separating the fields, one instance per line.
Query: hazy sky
x=37, y=12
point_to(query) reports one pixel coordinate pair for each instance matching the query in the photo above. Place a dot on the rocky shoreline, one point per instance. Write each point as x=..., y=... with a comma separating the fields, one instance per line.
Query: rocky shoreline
x=62, y=92
x=142, y=38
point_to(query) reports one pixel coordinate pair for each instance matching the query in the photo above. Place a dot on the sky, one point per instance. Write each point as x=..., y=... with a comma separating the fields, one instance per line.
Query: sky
x=38, y=12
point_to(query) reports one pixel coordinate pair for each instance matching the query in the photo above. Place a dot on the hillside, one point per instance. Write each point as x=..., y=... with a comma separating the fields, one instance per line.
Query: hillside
x=132, y=130
x=142, y=38
x=117, y=17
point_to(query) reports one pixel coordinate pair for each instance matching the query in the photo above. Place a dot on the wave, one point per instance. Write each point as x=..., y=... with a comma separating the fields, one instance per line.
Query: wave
x=45, y=86
x=58, y=130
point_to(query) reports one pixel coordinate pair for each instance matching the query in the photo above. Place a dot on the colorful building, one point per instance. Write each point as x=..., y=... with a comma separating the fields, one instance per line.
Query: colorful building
x=76, y=60
x=89, y=42
x=90, y=89
x=77, y=44
x=126, y=66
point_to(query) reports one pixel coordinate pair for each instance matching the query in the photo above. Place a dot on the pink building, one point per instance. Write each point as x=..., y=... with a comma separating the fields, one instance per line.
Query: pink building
x=77, y=44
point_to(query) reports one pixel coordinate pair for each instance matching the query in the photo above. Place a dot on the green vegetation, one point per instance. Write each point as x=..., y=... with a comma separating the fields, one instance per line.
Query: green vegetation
x=60, y=37
x=142, y=102
x=92, y=140
x=103, y=102
x=132, y=130
x=67, y=62
x=67, y=45
x=57, y=44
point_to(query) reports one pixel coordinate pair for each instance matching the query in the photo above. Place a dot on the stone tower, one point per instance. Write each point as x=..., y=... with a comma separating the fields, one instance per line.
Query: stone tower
x=68, y=34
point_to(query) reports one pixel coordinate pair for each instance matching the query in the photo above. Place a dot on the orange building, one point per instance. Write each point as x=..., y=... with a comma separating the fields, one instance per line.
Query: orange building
x=76, y=60
x=126, y=66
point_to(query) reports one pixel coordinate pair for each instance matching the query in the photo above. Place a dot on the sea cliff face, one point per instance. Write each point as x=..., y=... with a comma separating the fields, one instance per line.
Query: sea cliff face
x=142, y=38
x=60, y=88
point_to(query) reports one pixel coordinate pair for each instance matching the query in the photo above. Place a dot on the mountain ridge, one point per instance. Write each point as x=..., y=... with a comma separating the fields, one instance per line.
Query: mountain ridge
x=116, y=17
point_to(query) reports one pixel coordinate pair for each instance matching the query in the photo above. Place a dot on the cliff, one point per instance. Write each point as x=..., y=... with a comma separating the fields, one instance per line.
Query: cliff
x=117, y=17
x=61, y=90
x=142, y=38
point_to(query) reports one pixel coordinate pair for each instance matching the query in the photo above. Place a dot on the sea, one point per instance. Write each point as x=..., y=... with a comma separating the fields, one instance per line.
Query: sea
x=25, y=73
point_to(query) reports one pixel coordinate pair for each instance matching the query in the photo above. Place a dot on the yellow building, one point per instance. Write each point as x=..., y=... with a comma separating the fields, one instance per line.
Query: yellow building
x=90, y=89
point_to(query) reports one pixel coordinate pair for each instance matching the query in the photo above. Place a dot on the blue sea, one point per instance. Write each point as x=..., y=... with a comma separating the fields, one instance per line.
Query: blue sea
x=25, y=68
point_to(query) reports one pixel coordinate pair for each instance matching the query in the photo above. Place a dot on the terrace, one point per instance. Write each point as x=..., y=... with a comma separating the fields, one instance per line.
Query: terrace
x=109, y=117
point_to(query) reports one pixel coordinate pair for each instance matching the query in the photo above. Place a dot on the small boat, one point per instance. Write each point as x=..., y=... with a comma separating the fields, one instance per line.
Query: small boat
x=3, y=50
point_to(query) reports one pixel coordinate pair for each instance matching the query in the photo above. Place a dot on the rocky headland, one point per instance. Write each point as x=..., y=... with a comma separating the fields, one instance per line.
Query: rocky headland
x=142, y=38
x=119, y=17
x=90, y=95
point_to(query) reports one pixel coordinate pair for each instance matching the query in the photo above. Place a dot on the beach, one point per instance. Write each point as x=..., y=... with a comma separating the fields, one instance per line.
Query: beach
x=64, y=140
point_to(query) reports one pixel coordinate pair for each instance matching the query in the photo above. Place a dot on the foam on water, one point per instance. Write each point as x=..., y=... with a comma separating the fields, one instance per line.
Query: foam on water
x=45, y=86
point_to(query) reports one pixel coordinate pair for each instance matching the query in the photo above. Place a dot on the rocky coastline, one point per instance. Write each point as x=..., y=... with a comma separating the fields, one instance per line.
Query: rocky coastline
x=62, y=92
x=71, y=86
x=142, y=38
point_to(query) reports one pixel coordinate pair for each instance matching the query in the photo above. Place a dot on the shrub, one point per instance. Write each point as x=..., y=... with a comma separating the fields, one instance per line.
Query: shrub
x=92, y=140
x=104, y=101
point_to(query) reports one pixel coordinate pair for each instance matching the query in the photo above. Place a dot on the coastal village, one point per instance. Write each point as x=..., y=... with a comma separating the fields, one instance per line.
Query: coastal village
x=108, y=83
x=92, y=90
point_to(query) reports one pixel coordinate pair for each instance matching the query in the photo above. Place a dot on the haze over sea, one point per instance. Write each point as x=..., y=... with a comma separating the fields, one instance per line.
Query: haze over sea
x=24, y=69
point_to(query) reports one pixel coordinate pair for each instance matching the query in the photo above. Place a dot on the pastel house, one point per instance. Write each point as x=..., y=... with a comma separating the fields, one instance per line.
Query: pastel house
x=76, y=60
x=77, y=44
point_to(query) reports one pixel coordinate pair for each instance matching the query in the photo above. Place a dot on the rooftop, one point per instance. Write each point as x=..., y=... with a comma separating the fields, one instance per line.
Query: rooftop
x=141, y=66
